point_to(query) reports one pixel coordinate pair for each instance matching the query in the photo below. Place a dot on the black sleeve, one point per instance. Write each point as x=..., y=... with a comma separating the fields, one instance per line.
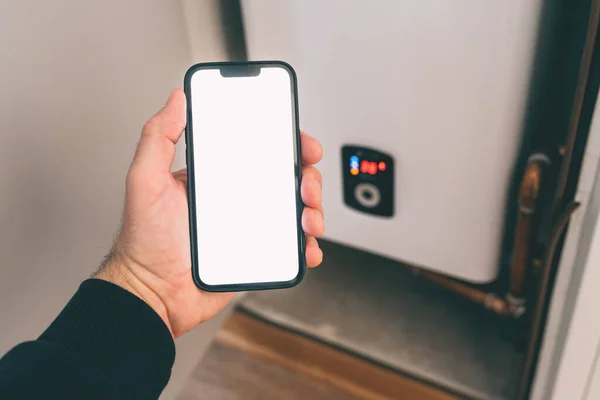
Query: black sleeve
x=105, y=344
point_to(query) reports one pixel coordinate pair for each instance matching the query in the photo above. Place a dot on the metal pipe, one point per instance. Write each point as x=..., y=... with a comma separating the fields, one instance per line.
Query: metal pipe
x=487, y=299
x=528, y=201
x=538, y=312
x=514, y=303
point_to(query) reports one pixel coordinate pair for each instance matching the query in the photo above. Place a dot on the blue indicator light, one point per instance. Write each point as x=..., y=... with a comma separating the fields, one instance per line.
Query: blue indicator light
x=353, y=164
x=354, y=159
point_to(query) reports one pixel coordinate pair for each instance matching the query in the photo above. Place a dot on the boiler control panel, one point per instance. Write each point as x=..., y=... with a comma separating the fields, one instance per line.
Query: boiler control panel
x=368, y=180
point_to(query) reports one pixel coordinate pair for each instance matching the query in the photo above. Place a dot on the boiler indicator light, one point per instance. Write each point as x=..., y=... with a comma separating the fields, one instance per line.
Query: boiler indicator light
x=372, y=168
x=364, y=166
x=354, y=162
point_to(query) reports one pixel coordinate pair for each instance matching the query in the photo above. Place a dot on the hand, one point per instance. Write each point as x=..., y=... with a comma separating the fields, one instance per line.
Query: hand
x=151, y=255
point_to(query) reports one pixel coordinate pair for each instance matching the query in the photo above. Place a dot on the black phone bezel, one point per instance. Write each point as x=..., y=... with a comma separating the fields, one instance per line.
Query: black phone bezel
x=246, y=68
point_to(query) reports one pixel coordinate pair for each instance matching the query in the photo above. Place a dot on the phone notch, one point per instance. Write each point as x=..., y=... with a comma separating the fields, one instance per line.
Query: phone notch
x=240, y=71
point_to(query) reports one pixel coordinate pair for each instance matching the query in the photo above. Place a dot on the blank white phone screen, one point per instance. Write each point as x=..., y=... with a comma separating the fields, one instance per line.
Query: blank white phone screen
x=245, y=180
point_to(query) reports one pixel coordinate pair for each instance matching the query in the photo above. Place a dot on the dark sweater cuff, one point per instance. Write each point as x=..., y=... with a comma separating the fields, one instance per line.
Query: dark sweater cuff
x=117, y=332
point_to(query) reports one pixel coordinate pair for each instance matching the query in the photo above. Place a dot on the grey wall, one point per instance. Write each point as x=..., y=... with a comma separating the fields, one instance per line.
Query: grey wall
x=78, y=80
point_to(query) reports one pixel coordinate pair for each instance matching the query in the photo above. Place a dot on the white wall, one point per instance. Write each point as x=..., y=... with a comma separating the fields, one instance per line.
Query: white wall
x=78, y=80
x=593, y=390
x=204, y=29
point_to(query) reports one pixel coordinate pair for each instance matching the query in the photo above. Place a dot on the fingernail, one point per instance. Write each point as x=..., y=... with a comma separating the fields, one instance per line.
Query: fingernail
x=322, y=222
x=171, y=96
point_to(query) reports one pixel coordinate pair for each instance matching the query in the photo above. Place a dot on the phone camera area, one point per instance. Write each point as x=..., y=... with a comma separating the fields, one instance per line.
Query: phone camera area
x=368, y=179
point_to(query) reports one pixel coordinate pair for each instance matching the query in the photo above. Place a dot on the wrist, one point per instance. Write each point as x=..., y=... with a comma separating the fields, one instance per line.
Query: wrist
x=116, y=271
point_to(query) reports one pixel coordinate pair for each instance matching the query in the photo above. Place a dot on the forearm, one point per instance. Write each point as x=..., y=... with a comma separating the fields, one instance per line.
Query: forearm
x=116, y=269
x=105, y=343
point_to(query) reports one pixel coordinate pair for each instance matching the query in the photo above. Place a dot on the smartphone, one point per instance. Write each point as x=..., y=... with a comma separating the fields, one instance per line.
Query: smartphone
x=244, y=172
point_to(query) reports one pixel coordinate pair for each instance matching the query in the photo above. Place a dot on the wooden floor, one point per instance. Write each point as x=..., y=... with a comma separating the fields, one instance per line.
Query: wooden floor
x=251, y=359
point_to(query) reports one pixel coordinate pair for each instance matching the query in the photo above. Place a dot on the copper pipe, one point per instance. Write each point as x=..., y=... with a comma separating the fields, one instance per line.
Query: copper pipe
x=488, y=300
x=514, y=303
x=538, y=312
x=562, y=222
x=528, y=199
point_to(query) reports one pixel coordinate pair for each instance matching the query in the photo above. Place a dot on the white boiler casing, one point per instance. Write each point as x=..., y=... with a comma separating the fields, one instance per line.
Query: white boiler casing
x=440, y=87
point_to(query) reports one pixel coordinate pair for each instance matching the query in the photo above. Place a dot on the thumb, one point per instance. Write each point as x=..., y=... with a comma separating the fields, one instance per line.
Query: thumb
x=156, y=148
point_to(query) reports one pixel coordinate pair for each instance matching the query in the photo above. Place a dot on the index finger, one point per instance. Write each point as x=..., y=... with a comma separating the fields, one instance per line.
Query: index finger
x=312, y=152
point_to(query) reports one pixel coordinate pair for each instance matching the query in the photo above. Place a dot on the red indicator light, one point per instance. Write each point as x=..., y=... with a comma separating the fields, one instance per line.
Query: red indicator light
x=364, y=166
x=372, y=168
x=382, y=166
